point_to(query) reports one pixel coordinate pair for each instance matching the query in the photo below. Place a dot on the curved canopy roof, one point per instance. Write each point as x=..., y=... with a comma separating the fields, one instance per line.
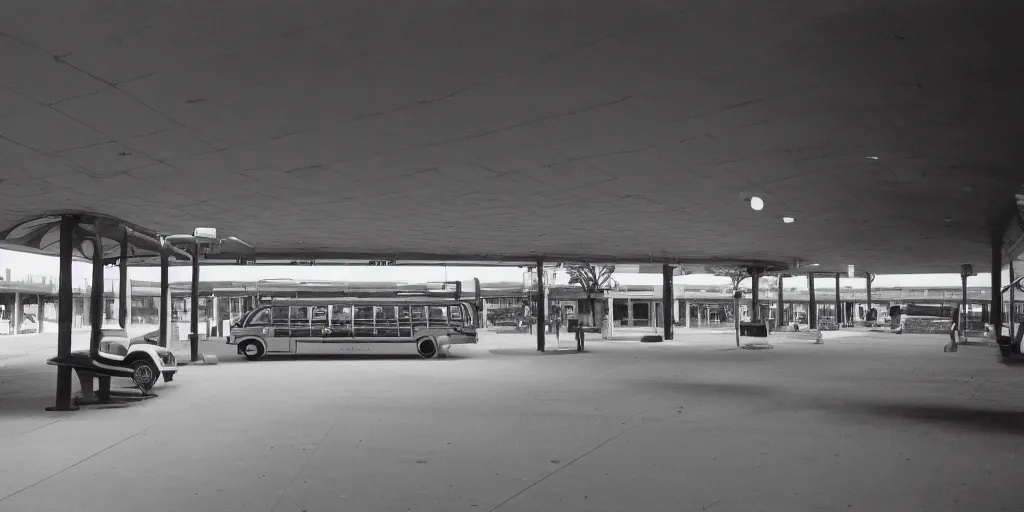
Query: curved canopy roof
x=891, y=130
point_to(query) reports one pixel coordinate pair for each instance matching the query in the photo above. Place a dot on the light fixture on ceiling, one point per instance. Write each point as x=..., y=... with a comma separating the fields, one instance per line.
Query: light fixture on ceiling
x=872, y=158
x=757, y=203
x=788, y=220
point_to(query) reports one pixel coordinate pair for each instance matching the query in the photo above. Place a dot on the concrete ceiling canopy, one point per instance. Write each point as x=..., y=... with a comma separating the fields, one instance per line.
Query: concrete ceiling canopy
x=607, y=131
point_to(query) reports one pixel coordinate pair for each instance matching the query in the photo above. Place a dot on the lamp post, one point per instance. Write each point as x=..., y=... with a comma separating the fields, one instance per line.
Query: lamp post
x=196, y=241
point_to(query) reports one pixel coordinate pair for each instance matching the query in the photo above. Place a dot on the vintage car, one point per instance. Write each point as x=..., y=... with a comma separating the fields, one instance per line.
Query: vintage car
x=117, y=357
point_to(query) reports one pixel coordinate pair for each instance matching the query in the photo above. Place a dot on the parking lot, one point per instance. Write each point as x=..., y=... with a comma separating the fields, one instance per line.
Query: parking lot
x=871, y=422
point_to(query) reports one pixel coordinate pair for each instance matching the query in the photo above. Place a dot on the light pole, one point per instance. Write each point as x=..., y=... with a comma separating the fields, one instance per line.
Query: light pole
x=198, y=242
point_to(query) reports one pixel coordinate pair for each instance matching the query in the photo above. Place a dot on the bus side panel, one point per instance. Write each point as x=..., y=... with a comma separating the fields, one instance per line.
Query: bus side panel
x=438, y=333
x=342, y=348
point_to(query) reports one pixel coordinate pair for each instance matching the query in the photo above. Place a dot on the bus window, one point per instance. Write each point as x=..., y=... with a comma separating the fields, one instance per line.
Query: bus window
x=404, y=322
x=419, y=317
x=299, y=321
x=318, y=320
x=386, y=321
x=282, y=328
x=261, y=318
x=341, y=323
x=363, y=321
x=437, y=316
x=341, y=315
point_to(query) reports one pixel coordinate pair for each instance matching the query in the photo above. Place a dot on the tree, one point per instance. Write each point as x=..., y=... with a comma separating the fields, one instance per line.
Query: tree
x=735, y=274
x=591, y=281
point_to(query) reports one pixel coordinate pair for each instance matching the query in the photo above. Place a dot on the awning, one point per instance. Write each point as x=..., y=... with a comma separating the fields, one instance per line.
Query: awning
x=41, y=235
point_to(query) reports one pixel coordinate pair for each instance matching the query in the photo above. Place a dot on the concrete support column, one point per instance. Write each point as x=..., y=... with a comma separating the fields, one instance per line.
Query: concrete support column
x=839, y=303
x=194, y=337
x=542, y=302
x=214, y=314
x=18, y=314
x=780, y=320
x=40, y=313
x=96, y=300
x=666, y=300
x=675, y=307
x=755, y=297
x=65, y=315
x=812, y=314
x=165, y=300
x=610, y=317
x=122, y=295
x=688, y=314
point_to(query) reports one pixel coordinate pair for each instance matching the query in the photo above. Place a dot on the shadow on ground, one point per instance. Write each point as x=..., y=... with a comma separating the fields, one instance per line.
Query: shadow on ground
x=996, y=420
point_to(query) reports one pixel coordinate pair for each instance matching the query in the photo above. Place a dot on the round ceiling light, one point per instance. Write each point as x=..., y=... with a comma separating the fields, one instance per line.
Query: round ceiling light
x=757, y=203
x=788, y=220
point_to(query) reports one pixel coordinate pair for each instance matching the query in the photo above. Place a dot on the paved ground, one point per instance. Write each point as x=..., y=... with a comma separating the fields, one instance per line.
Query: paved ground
x=876, y=422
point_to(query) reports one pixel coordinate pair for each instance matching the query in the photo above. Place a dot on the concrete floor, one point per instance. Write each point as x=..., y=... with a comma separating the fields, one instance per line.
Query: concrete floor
x=874, y=422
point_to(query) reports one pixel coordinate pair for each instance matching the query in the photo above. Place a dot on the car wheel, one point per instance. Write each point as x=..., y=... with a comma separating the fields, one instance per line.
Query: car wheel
x=252, y=350
x=144, y=374
x=426, y=347
x=168, y=376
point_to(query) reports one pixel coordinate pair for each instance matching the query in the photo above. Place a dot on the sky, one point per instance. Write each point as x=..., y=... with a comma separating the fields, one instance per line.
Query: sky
x=22, y=264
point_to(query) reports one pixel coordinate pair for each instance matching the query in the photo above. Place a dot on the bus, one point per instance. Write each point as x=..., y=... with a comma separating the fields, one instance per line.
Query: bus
x=349, y=325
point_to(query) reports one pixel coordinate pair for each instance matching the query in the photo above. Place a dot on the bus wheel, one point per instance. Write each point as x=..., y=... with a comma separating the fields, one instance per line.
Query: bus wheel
x=426, y=347
x=252, y=350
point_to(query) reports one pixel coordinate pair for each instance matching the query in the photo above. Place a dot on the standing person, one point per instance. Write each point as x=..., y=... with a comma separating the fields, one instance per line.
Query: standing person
x=580, y=337
x=557, y=321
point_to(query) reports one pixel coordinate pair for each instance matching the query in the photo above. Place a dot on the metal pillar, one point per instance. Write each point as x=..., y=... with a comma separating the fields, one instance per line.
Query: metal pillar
x=755, y=288
x=40, y=313
x=962, y=310
x=812, y=315
x=781, y=309
x=666, y=301
x=541, y=302
x=165, y=313
x=839, y=303
x=997, y=283
x=193, y=338
x=213, y=312
x=18, y=314
x=870, y=278
x=96, y=297
x=1013, y=307
x=65, y=314
x=688, y=314
x=122, y=295
x=736, y=314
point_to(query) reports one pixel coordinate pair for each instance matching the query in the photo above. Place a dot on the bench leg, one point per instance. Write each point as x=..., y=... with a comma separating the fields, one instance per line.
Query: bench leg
x=86, y=381
x=104, y=391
